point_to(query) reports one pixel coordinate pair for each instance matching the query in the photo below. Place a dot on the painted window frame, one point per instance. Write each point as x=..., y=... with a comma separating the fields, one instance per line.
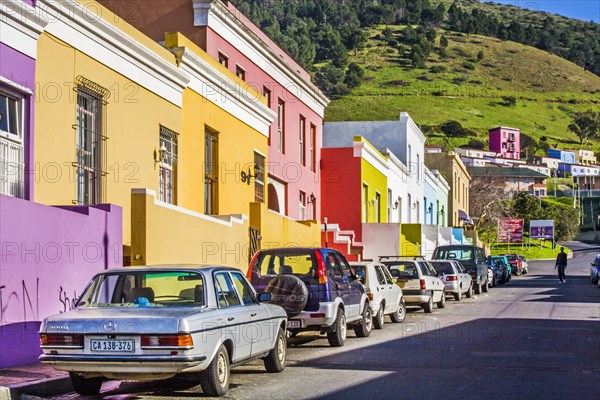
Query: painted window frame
x=168, y=165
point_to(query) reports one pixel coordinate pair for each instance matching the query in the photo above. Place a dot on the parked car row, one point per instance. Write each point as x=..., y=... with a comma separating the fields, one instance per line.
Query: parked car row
x=150, y=323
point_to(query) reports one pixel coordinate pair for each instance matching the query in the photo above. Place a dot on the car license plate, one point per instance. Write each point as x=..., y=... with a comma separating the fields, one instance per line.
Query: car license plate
x=112, y=345
x=294, y=324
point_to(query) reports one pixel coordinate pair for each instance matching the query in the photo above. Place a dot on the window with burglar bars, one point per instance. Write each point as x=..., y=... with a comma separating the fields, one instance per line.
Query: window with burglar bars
x=211, y=172
x=259, y=180
x=90, y=142
x=168, y=165
x=12, y=155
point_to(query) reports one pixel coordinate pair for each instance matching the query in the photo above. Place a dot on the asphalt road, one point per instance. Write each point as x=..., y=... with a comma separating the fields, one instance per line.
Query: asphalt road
x=532, y=338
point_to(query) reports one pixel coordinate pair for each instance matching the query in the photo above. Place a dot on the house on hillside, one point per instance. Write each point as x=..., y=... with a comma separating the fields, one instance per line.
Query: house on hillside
x=513, y=179
x=506, y=142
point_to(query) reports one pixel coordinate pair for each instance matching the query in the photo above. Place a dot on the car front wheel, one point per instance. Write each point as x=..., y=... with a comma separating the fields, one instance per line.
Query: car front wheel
x=442, y=302
x=275, y=360
x=338, y=336
x=428, y=307
x=365, y=326
x=215, y=379
x=378, y=321
x=486, y=286
x=458, y=295
x=400, y=314
x=478, y=288
x=85, y=386
x=470, y=291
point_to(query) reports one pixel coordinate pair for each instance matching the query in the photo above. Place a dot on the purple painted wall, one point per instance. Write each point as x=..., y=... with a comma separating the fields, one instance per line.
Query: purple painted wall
x=47, y=256
x=20, y=69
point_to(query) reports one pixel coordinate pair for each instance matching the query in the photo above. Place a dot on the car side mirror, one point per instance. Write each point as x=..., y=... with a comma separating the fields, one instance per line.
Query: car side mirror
x=264, y=297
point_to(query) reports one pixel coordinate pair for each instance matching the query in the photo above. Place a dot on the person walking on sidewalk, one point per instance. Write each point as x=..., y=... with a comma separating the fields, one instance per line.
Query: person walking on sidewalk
x=561, y=265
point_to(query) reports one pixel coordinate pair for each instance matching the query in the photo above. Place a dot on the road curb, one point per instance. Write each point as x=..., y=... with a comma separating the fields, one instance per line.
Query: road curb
x=43, y=387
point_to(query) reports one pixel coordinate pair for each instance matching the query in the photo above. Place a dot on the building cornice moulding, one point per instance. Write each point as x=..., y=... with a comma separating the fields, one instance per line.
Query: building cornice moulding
x=363, y=150
x=21, y=26
x=225, y=93
x=215, y=15
x=91, y=34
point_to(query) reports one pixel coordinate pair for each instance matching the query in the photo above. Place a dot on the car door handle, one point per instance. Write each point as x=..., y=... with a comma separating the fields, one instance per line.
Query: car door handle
x=230, y=318
x=253, y=315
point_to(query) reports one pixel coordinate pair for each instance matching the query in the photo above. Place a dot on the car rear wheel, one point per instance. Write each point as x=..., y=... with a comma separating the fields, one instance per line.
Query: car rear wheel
x=442, y=302
x=215, y=379
x=470, y=291
x=486, y=286
x=378, y=321
x=458, y=295
x=478, y=288
x=365, y=326
x=85, y=386
x=400, y=314
x=338, y=336
x=428, y=307
x=275, y=361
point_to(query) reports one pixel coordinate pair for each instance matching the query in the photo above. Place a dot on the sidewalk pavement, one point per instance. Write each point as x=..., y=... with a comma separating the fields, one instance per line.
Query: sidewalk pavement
x=34, y=380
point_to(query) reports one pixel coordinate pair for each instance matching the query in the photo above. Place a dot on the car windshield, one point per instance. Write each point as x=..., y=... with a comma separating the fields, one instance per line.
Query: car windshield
x=454, y=254
x=144, y=289
x=498, y=260
x=402, y=269
x=443, y=268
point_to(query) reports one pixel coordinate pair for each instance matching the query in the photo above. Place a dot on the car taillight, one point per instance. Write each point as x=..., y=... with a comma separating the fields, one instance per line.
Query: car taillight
x=423, y=285
x=59, y=339
x=167, y=341
x=370, y=296
x=251, y=267
x=321, y=271
x=451, y=278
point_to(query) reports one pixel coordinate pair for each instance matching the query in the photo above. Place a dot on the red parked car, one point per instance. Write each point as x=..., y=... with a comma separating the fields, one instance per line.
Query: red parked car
x=516, y=264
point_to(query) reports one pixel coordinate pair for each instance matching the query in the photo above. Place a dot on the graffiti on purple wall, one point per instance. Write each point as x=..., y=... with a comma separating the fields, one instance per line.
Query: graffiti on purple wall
x=28, y=302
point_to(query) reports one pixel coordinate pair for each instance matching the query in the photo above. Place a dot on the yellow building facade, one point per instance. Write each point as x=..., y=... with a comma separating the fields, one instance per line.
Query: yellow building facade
x=167, y=133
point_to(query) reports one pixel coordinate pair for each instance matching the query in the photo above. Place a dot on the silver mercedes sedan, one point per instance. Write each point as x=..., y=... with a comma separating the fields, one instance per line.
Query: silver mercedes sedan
x=149, y=323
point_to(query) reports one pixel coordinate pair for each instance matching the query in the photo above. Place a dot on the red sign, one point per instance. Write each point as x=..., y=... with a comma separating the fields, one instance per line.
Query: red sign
x=510, y=230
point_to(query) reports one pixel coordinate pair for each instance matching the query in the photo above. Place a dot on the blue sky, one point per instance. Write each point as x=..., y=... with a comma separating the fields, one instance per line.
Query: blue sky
x=581, y=9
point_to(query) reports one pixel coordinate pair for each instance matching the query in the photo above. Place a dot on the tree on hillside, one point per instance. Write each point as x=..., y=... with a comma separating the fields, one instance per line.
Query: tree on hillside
x=585, y=125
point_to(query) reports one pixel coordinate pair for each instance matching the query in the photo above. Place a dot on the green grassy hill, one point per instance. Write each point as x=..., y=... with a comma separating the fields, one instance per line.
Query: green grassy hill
x=465, y=88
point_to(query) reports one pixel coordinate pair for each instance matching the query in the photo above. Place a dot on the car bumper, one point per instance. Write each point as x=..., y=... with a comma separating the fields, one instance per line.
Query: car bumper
x=452, y=287
x=309, y=319
x=412, y=297
x=119, y=364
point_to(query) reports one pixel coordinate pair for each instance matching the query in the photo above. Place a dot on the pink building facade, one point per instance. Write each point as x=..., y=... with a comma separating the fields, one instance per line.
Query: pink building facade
x=295, y=138
x=506, y=142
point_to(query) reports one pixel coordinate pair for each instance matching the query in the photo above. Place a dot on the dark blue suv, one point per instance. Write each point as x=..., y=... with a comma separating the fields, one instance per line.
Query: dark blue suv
x=317, y=288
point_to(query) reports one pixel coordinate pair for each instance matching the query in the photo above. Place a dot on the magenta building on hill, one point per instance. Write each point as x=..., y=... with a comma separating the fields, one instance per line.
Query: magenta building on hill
x=506, y=142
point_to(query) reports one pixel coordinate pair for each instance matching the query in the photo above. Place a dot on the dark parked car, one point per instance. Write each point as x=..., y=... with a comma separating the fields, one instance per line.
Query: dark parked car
x=500, y=270
x=472, y=258
x=316, y=287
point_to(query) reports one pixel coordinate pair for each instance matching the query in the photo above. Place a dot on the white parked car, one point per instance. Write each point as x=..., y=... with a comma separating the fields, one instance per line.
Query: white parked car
x=385, y=297
x=418, y=281
x=455, y=277
x=148, y=323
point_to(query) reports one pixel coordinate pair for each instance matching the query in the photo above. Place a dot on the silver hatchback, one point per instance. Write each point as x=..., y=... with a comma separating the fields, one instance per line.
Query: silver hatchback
x=455, y=278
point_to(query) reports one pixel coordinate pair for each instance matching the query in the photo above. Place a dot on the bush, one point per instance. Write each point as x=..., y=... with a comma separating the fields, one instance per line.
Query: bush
x=480, y=55
x=436, y=69
x=477, y=144
x=509, y=101
x=468, y=65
